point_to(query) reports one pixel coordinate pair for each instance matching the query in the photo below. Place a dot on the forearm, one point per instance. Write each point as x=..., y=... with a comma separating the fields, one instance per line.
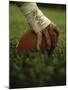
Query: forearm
x=34, y=16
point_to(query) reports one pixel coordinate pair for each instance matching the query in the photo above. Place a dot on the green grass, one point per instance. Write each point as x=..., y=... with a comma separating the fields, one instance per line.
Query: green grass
x=36, y=69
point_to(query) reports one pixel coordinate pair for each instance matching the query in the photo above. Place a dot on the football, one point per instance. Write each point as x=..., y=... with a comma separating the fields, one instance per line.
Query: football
x=28, y=41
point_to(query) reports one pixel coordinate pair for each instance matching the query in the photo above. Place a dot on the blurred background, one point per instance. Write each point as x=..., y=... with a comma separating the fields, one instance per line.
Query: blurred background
x=36, y=69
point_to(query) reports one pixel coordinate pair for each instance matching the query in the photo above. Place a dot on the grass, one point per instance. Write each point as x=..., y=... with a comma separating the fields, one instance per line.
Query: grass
x=37, y=69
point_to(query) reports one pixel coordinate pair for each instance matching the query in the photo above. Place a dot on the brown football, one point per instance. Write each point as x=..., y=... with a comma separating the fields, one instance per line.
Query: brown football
x=27, y=43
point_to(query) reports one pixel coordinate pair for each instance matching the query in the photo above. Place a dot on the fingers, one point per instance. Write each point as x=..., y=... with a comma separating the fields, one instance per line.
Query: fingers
x=51, y=34
x=48, y=39
x=54, y=33
x=39, y=40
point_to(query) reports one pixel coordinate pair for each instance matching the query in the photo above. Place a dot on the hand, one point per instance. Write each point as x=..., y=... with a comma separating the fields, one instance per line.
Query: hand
x=51, y=34
x=28, y=41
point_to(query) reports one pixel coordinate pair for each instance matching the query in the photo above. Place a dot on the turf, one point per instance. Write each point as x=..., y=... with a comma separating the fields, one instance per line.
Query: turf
x=37, y=69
